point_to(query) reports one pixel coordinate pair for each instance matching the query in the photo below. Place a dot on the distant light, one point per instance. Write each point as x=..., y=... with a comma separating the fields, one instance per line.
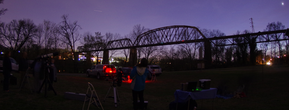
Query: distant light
x=282, y=3
x=268, y=63
x=19, y=51
x=284, y=55
x=2, y=52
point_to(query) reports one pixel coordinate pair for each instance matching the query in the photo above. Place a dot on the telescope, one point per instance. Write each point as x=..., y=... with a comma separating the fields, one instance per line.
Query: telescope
x=48, y=55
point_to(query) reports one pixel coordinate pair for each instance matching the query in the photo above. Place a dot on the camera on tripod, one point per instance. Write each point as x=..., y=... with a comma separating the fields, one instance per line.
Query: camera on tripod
x=117, y=79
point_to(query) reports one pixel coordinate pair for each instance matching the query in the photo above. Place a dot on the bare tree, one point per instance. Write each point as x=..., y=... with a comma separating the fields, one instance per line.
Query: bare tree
x=47, y=35
x=3, y=10
x=148, y=52
x=92, y=42
x=251, y=40
x=15, y=34
x=137, y=30
x=98, y=42
x=229, y=54
x=217, y=51
x=241, y=49
x=110, y=37
x=69, y=32
x=273, y=27
x=126, y=53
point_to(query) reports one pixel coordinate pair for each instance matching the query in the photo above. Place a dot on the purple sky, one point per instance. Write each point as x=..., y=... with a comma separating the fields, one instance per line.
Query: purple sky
x=119, y=16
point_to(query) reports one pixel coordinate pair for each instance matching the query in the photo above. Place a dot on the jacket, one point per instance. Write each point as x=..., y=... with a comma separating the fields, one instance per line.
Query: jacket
x=138, y=75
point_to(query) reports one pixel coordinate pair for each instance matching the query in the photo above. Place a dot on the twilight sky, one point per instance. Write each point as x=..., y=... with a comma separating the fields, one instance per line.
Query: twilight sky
x=119, y=16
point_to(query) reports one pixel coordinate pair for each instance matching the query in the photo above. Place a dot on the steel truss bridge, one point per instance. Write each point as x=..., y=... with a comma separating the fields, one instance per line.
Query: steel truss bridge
x=179, y=34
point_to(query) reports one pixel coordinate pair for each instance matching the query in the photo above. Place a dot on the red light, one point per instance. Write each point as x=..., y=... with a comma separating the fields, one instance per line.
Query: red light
x=103, y=67
x=113, y=70
x=109, y=70
x=130, y=80
x=183, y=40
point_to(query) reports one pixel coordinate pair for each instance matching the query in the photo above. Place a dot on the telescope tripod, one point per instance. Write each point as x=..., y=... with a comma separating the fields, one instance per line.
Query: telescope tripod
x=46, y=81
x=26, y=80
x=115, y=94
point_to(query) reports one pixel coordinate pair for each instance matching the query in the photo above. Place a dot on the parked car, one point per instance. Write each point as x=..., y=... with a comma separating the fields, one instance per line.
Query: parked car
x=103, y=70
x=155, y=69
x=126, y=71
x=14, y=64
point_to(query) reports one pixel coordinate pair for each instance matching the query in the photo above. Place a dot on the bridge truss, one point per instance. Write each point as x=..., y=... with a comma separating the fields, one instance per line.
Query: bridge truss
x=178, y=34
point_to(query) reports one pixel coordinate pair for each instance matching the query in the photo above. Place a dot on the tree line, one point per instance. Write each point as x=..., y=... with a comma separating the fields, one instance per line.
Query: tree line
x=46, y=37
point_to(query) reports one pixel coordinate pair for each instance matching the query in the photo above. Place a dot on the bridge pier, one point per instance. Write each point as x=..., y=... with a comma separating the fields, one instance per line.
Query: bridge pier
x=132, y=57
x=105, y=57
x=88, y=59
x=208, y=54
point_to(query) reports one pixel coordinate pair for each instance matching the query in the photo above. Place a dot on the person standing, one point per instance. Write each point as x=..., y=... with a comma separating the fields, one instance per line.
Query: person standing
x=7, y=68
x=23, y=66
x=38, y=74
x=139, y=74
x=52, y=74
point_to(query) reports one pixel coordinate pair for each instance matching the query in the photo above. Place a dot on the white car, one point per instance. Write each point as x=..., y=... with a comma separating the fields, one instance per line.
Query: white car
x=14, y=65
x=104, y=70
x=155, y=69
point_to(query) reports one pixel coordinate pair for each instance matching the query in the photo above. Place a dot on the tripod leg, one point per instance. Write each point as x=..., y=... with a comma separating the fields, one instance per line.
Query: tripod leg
x=45, y=89
x=22, y=83
x=51, y=87
x=41, y=86
x=107, y=94
x=114, y=96
x=117, y=95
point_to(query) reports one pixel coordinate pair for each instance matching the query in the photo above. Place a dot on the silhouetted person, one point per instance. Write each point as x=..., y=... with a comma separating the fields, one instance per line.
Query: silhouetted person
x=37, y=73
x=7, y=68
x=23, y=65
x=52, y=74
x=139, y=74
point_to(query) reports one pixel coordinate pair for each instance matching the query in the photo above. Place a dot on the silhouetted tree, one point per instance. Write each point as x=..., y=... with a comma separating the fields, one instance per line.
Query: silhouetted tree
x=217, y=49
x=47, y=35
x=110, y=37
x=15, y=34
x=241, y=50
x=126, y=53
x=229, y=54
x=92, y=42
x=277, y=36
x=69, y=32
x=3, y=10
x=252, y=45
x=137, y=30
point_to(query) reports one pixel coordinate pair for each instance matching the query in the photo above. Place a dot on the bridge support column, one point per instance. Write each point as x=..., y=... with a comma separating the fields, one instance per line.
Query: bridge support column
x=208, y=54
x=88, y=60
x=75, y=55
x=105, y=57
x=132, y=57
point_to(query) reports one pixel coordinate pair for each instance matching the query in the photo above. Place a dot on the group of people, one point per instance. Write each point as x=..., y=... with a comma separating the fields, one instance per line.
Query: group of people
x=36, y=69
x=138, y=74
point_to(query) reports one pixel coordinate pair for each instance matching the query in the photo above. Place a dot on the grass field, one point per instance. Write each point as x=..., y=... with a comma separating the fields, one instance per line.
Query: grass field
x=267, y=89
